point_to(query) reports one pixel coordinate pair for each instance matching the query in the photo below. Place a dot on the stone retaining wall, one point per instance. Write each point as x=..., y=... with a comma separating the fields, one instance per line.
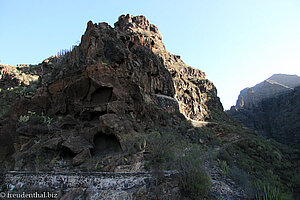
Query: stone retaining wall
x=86, y=185
x=101, y=180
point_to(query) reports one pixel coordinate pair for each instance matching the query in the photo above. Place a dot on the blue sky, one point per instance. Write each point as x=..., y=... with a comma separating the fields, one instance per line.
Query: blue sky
x=237, y=43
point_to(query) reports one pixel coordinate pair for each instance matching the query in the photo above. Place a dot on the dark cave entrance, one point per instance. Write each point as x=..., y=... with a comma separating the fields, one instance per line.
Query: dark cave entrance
x=92, y=115
x=67, y=154
x=106, y=145
x=102, y=95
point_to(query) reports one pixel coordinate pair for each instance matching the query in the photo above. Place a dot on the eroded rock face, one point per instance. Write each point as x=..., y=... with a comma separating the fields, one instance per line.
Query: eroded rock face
x=196, y=95
x=134, y=48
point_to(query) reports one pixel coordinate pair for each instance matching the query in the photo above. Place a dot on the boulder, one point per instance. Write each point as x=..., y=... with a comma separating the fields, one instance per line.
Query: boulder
x=30, y=143
x=52, y=144
x=32, y=130
x=68, y=122
x=81, y=157
x=115, y=125
x=77, y=144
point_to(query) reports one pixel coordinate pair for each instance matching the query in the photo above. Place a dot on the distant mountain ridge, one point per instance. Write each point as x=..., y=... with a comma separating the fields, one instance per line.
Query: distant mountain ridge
x=275, y=85
x=272, y=108
x=291, y=81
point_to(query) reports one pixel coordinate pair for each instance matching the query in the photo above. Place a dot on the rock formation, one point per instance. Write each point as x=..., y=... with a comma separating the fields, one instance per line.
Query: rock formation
x=195, y=94
x=106, y=86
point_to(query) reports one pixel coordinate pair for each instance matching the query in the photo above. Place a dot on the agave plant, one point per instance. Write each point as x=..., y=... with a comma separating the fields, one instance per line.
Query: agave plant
x=268, y=193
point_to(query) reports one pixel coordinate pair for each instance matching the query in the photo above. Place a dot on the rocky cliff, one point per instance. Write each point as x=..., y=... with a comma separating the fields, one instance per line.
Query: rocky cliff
x=106, y=88
x=135, y=47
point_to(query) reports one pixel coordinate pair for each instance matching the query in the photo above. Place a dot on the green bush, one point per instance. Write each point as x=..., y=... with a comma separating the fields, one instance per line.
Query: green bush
x=169, y=151
x=165, y=148
x=193, y=179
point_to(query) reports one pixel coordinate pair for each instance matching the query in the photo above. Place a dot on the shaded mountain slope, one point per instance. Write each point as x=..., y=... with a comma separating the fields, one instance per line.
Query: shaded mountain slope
x=272, y=108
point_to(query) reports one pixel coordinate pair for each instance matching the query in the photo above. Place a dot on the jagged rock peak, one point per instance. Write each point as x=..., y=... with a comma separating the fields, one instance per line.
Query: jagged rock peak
x=130, y=33
x=130, y=24
x=137, y=24
x=132, y=30
x=135, y=50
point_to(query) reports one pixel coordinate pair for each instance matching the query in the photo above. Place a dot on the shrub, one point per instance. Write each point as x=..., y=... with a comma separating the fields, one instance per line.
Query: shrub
x=224, y=156
x=163, y=147
x=194, y=180
x=134, y=143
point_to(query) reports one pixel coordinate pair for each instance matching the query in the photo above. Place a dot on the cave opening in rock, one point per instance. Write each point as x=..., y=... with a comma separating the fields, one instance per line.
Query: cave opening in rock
x=106, y=145
x=102, y=95
x=157, y=91
x=67, y=154
x=92, y=115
